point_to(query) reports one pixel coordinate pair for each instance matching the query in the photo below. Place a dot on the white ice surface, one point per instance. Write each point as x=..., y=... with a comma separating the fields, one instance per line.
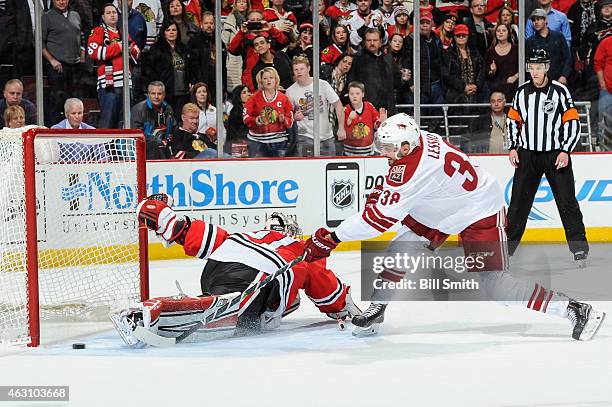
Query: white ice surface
x=428, y=354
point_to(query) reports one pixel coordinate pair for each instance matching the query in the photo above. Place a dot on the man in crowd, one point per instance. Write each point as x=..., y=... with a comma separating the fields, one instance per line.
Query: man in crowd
x=202, y=54
x=374, y=69
x=480, y=37
x=553, y=43
x=13, y=96
x=362, y=19
x=64, y=51
x=557, y=21
x=603, y=69
x=154, y=117
x=186, y=142
x=137, y=27
x=277, y=60
x=73, y=110
x=301, y=96
x=488, y=131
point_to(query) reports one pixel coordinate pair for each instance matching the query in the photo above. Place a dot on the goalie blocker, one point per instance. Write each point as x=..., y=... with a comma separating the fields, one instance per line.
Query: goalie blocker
x=234, y=262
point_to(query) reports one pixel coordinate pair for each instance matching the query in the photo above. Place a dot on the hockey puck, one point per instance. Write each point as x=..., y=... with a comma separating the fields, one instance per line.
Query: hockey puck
x=78, y=346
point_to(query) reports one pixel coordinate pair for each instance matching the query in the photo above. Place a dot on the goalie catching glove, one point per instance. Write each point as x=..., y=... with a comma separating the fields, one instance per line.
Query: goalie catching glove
x=156, y=214
x=320, y=245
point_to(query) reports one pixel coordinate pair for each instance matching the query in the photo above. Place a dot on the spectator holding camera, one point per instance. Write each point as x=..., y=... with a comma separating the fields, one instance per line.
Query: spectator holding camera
x=242, y=43
x=269, y=115
x=105, y=47
x=231, y=26
x=154, y=116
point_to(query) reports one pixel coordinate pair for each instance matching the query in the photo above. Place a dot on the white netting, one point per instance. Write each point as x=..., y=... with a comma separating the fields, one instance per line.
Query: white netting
x=88, y=254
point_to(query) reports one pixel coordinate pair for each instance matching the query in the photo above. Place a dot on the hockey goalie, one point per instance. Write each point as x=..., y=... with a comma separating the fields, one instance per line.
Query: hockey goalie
x=232, y=301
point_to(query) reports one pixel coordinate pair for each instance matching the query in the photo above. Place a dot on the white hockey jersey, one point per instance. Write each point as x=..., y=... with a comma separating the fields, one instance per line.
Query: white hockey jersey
x=437, y=185
x=355, y=21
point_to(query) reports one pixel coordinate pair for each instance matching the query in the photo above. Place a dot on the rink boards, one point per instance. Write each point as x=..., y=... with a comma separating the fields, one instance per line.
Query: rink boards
x=239, y=195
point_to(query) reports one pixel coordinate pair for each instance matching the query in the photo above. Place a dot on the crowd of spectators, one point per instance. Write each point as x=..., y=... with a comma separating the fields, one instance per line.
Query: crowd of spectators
x=468, y=54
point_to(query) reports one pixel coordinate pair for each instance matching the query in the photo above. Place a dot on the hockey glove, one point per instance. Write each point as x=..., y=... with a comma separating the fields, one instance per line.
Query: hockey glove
x=374, y=196
x=319, y=246
x=157, y=216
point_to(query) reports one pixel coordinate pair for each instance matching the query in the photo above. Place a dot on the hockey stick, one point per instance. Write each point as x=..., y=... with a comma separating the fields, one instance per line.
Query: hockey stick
x=228, y=308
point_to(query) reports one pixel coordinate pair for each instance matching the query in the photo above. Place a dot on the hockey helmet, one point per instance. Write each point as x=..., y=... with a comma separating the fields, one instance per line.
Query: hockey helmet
x=396, y=131
x=538, y=56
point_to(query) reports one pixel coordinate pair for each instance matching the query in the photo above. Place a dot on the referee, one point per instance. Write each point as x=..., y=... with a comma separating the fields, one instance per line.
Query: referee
x=543, y=129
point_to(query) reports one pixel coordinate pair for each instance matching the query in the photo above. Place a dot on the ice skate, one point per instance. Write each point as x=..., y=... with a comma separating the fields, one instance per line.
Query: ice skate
x=369, y=322
x=585, y=320
x=580, y=259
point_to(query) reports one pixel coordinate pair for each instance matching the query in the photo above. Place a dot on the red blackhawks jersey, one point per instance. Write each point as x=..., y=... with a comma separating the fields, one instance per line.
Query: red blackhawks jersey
x=340, y=12
x=360, y=133
x=103, y=46
x=436, y=185
x=330, y=54
x=275, y=116
x=272, y=16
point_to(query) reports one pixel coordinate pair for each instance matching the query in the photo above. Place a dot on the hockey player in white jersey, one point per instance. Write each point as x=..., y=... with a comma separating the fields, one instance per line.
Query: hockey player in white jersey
x=434, y=191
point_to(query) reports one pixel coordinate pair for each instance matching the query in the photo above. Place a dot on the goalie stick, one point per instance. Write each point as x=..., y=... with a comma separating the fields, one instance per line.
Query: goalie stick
x=227, y=305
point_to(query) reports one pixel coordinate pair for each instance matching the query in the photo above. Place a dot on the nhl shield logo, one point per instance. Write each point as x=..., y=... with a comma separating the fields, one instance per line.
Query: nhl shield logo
x=342, y=193
x=549, y=106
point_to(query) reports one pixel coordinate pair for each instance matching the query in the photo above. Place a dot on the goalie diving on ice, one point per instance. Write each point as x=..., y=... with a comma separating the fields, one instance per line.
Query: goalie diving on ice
x=249, y=282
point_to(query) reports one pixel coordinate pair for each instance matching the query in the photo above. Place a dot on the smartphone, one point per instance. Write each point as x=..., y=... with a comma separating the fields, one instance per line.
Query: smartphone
x=341, y=192
x=254, y=25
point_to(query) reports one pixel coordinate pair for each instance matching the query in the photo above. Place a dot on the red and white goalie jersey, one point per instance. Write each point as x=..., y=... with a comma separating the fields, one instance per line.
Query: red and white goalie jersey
x=436, y=185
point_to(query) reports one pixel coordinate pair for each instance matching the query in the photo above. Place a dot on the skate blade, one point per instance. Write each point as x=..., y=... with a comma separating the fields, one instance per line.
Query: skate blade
x=367, y=331
x=125, y=332
x=592, y=326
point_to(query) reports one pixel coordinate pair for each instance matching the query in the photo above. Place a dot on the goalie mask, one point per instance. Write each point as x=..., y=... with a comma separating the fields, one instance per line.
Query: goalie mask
x=282, y=223
x=396, y=131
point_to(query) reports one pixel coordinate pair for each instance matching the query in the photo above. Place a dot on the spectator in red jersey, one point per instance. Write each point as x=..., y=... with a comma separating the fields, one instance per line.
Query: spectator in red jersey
x=501, y=63
x=175, y=12
x=361, y=119
x=242, y=43
x=231, y=26
x=269, y=115
x=494, y=7
x=193, y=11
x=506, y=16
x=340, y=11
x=283, y=20
x=339, y=46
x=447, y=29
x=104, y=46
x=603, y=69
x=400, y=22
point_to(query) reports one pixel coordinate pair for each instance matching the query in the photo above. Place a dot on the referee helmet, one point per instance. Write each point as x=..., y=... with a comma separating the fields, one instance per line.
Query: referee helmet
x=538, y=56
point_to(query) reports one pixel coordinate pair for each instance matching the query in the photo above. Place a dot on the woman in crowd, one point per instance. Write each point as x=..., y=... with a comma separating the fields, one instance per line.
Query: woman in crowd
x=501, y=63
x=338, y=78
x=303, y=47
x=231, y=26
x=269, y=115
x=339, y=45
x=401, y=26
x=14, y=117
x=506, y=16
x=401, y=73
x=175, y=12
x=237, y=131
x=447, y=29
x=202, y=98
x=463, y=70
x=167, y=62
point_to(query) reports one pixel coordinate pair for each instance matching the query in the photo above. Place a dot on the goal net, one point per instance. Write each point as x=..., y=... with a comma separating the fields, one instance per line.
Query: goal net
x=70, y=243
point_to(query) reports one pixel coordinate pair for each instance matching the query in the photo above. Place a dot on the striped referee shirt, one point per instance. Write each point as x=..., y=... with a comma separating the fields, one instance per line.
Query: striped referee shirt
x=543, y=119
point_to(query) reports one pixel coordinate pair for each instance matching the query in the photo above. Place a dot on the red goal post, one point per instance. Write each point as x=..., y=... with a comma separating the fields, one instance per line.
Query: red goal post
x=70, y=243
